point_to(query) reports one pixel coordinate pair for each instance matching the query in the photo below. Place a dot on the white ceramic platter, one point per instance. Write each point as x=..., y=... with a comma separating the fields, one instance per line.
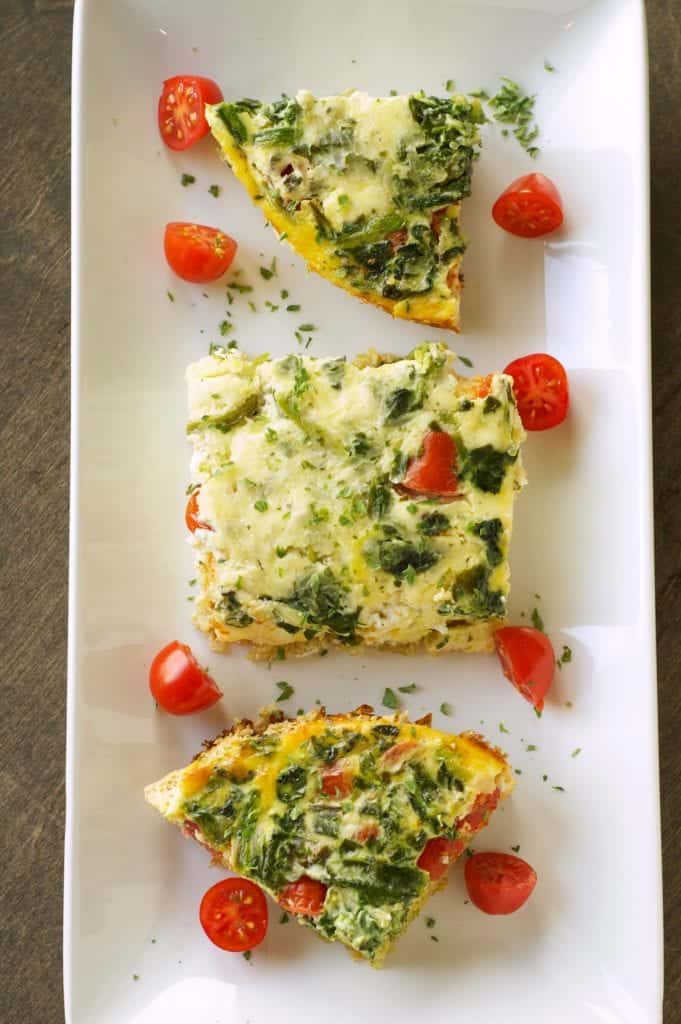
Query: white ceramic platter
x=587, y=946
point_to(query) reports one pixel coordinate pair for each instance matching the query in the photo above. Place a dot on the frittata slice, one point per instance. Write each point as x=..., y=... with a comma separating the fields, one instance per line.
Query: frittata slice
x=372, y=808
x=367, y=190
x=308, y=533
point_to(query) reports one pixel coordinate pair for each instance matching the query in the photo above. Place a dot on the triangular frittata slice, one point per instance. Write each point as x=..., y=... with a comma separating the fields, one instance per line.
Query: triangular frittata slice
x=367, y=190
x=371, y=808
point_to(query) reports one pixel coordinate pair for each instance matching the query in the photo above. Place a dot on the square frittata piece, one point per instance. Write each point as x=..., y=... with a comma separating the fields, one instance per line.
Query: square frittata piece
x=322, y=511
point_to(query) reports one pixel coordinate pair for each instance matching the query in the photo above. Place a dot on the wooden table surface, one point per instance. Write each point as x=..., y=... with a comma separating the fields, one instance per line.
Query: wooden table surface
x=34, y=354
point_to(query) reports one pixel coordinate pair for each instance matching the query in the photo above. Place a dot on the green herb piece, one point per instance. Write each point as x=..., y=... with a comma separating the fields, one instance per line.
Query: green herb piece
x=379, y=499
x=537, y=712
x=576, y=752
x=343, y=200
x=261, y=505
x=516, y=849
x=225, y=327
x=187, y=179
x=446, y=708
x=465, y=360
x=247, y=954
x=270, y=435
x=230, y=118
x=531, y=747
x=242, y=289
x=390, y=699
x=285, y=690
x=565, y=657
x=548, y=66
x=293, y=308
x=409, y=688
x=271, y=306
x=450, y=85
x=537, y=620
x=281, y=552
x=513, y=106
x=434, y=938
x=284, y=919
x=135, y=977
x=395, y=555
x=266, y=273
x=502, y=727
x=561, y=789
x=214, y=190
x=170, y=296
x=430, y=922
x=306, y=328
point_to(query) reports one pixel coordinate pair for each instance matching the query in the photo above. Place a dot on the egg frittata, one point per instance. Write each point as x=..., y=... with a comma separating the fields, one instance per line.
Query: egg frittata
x=367, y=190
x=308, y=532
x=368, y=810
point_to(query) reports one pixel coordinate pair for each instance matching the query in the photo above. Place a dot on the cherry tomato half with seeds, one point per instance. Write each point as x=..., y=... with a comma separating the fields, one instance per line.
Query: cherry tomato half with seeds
x=179, y=684
x=528, y=660
x=191, y=514
x=197, y=253
x=432, y=471
x=234, y=915
x=530, y=207
x=306, y=896
x=181, y=117
x=499, y=883
x=541, y=390
x=438, y=854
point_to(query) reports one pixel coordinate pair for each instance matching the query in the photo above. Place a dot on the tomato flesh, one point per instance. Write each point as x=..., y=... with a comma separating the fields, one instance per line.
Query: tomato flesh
x=484, y=804
x=191, y=514
x=306, y=896
x=438, y=854
x=499, y=883
x=336, y=783
x=196, y=252
x=234, y=915
x=541, y=390
x=528, y=660
x=531, y=206
x=432, y=471
x=179, y=684
x=181, y=117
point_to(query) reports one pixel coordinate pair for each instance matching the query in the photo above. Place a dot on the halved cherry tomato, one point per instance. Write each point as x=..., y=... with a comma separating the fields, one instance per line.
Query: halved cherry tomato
x=438, y=854
x=181, y=119
x=541, y=390
x=191, y=514
x=179, y=684
x=432, y=471
x=336, y=782
x=531, y=206
x=482, y=808
x=528, y=660
x=306, y=896
x=499, y=883
x=234, y=915
x=196, y=252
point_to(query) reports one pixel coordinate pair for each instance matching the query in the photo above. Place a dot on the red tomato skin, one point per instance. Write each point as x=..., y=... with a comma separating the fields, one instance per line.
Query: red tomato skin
x=484, y=804
x=196, y=252
x=432, y=471
x=530, y=207
x=499, y=883
x=306, y=896
x=336, y=782
x=527, y=660
x=191, y=514
x=233, y=913
x=178, y=683
x=438, y=854
x=541, y=389
x=185, y=96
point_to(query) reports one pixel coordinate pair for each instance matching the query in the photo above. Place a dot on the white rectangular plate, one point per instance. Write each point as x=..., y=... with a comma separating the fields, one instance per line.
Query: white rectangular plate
x=587, y=946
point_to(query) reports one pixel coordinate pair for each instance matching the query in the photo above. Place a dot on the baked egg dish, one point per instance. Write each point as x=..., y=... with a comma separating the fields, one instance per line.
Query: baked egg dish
x=348, y=821
x=367, y=190
x=354, y=503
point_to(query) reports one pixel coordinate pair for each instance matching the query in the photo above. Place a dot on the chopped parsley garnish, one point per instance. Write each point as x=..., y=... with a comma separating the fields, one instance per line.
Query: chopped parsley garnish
x=576, y=752
x=430, y=922
x=537, y=620
x=269, y=272
x=261, y=505
x=242, y=289
x=548, y=66
x=247, y=954
x=465, y=360
x=516, y=849
x=306, y=328
x=512, y=106
x=225, y=327
x=214, y=190
x=409, y=688
x=531, y=747
x=187, y=179
x=450, y=85
x=446, y=708
x=502, y=727
x=561, y=789
x=390, y=699
x=565, y=657
x=285, y=690
x=170, y=296
x=434, y=938
x=252, y=307
x=271, y=306
x=293, y=308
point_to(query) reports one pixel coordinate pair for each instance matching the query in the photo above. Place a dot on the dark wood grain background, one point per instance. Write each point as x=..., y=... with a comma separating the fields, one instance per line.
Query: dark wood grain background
x=34, y=441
